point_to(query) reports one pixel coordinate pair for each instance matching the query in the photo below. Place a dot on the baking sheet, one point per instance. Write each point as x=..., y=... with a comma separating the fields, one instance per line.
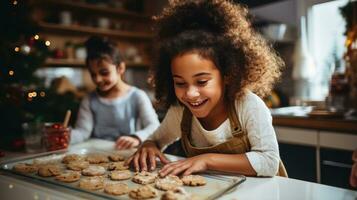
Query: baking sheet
x=216, y=185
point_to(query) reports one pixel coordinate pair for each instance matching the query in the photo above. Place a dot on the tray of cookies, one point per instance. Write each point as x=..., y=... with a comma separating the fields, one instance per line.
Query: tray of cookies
x=100, y=173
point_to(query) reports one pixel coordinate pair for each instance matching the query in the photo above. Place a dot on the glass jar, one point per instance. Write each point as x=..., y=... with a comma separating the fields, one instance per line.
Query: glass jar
x=56, y=137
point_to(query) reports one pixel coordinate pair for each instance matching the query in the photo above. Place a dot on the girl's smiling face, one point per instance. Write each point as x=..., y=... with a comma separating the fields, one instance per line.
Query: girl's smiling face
x=198, y=85
x=105, y=75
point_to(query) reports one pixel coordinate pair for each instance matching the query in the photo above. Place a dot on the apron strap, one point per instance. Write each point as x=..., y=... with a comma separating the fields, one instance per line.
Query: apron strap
x=186, y=123
x=234, y=121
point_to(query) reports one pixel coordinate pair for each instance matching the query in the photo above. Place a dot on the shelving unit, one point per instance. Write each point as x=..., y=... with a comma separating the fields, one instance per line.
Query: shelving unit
x=50, y=62
x=78, y=30
x=103, y=10
x=130, y=29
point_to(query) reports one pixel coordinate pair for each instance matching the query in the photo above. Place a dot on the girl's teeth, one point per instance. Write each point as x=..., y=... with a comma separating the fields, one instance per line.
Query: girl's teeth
x=197, y=103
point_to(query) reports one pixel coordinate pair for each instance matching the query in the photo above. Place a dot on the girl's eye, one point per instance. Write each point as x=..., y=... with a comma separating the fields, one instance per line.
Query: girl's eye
x=104, y=73
x=179, y=84
x=202, y=82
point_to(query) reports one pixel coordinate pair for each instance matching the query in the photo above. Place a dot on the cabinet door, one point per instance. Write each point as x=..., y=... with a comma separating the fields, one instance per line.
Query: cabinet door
x=336, y=167
x=299, y=160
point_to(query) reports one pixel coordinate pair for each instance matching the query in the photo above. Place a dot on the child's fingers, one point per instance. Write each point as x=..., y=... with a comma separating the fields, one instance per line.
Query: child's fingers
x=166, y=166
x=128, y=161
x=179, y=169
x=152, y=159
x=163, y=158
x=168, y=169
x=188, y=171
x=143, y=159
x=136, y=162
x=119, y=142
x=125, y=145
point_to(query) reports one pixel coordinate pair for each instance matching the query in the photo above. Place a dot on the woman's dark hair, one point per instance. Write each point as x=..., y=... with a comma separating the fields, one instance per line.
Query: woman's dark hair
x=220, y=31
x=99, y=48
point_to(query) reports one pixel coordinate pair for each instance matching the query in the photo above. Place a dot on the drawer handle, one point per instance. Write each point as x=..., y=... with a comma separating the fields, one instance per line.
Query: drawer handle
x=336, y=164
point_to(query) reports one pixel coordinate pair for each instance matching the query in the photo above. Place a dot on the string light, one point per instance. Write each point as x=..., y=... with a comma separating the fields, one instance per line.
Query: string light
x=36, y=37
x=14, y=2
x=11, y=72
x=17, y=49
x=42, y=94
x=47, y=43
x=25, y=49
x=32, y=94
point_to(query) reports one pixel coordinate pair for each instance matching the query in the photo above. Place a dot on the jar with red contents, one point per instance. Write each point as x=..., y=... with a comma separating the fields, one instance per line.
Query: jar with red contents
x=56, y=136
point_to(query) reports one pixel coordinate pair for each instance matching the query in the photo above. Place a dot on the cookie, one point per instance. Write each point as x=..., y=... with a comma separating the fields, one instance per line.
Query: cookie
x=25, y=168
x=194, y=180
x=105, y=165
x=92, y=183
x=117, y=166
x=176, y=194
x=49, y=170
x=143, y=192
x=170, y=182
x=115, y=157
x=78, y=165
x=93, y=170
x=48, y=160
x=120, y=175
x=97, y=158
x=69, y=176
x=116, y=188
x=144, y=177
x=71, y=157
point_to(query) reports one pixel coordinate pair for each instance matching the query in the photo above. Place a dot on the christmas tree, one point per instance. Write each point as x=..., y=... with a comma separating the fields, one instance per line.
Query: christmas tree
x=23, y=97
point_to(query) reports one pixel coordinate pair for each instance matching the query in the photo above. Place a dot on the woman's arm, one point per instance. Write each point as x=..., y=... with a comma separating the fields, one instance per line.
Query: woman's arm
x=84, y=123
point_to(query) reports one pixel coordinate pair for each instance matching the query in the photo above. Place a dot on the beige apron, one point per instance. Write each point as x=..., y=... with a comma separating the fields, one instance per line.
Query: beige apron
x=237, y=145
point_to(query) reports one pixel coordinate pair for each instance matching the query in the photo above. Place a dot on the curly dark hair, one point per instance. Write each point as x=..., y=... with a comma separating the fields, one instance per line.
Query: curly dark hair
x=99, y=48
x=220, y=31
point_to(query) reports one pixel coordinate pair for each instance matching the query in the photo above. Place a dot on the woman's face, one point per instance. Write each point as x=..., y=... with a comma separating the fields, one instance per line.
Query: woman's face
x=198, y=85
x=105, y=75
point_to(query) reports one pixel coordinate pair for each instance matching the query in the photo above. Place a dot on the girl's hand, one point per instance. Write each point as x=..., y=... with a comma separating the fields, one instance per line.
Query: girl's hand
x=186, y=166
x=127, y=142
x=147, y=152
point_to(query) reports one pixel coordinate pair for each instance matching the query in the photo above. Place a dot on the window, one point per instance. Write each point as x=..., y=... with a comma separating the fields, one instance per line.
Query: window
x=327, y=41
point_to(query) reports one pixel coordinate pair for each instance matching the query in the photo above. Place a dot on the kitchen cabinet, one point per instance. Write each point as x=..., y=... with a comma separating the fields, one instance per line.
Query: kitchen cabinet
x=299, y=160
x=316, y=155
x=335, y=167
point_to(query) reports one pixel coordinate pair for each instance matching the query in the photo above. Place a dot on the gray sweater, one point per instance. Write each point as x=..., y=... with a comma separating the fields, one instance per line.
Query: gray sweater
x=132, y=114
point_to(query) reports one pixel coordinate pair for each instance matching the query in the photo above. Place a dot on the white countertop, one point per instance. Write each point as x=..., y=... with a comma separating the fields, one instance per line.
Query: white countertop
x=251, y=189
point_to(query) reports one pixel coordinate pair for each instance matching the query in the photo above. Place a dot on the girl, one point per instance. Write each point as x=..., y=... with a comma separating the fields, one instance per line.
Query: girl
x=211, y=68
x=115, y=109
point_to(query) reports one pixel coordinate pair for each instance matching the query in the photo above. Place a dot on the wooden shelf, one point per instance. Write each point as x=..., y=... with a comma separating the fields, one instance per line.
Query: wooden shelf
x=80, y=30
x=51, y=62
x=94, y=8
